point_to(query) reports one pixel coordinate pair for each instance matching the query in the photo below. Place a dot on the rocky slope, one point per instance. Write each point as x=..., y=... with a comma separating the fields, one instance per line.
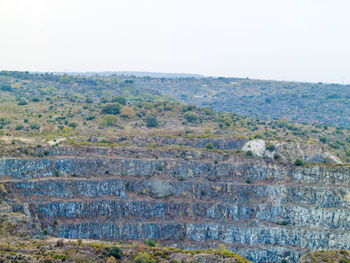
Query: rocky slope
x=264, y=209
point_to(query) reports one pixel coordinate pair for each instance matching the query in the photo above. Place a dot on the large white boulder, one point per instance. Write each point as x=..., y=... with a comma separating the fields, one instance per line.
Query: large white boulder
x=256, y=146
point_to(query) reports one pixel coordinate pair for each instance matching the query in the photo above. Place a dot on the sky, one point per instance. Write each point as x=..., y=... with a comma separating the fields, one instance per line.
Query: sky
x=300, y=40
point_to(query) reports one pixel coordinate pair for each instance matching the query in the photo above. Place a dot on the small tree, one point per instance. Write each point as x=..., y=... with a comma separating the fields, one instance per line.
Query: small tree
x=298, y=162
x=209, y=146
x=248, y=180
x=121, y=100
x=151, y=121
x=113, y=108
x=115, y=252
x=191, y=117
x=270, y=147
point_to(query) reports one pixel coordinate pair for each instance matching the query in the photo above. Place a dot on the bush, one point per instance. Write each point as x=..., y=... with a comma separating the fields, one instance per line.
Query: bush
x=258, y=136
x=276, y=156
x=73, y=125
x=35, y=99
x=6, y=87
x=19, y=127
x=109, y=120
x=144, y=258
x=298, y=162
x=48, y=260
x=209, y=146
x=22, y=102
x=113, y=108
x=127, y=112
x=115, y=252
x=270, y=147
x=249, y=153
x=35, y=126
x=150, y=243
x=151, y=121
x=90, y=118
x=121, y=100
x=191, y=117
x=248, y=180
x=323, y=139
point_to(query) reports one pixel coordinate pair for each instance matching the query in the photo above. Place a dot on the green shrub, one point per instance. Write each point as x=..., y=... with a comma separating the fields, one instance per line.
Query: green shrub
x=115, y=252
x=347, y=152
x=249, y=153
x=113, y=108
x=151, y=121
x=209, y=146
x=6, y=87
x=79, y=242
x=19, y=127
x=48, y=260
x=73, y=125
x=298, y=162
x=109, y=120
x=144, y=258
x=150, y=243
x=276, y=156
x=191, y=117
x=258, y=136
x=323, y=139
x=35, y=126
x=270, y=147
x=121, y=100
x=90, y=118
x=22, y=102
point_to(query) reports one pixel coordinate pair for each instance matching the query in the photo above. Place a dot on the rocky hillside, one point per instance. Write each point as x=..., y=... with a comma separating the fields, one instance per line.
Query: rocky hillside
x=186, y=197
x=99, y=158
x=302, y=102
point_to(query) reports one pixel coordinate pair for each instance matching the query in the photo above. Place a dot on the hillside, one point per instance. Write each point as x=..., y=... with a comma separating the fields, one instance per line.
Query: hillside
x=317, y=103
x=45, y=106
x=98, y=158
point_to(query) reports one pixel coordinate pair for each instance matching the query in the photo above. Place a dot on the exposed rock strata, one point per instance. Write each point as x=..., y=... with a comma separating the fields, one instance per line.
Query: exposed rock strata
x=283, y=212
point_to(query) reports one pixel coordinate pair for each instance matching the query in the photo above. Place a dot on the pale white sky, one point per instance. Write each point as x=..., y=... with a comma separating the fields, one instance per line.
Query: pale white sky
x=307, y=40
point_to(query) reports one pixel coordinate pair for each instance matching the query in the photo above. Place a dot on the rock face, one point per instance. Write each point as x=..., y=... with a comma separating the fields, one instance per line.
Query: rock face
x=191, y=199
x=290, y=151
